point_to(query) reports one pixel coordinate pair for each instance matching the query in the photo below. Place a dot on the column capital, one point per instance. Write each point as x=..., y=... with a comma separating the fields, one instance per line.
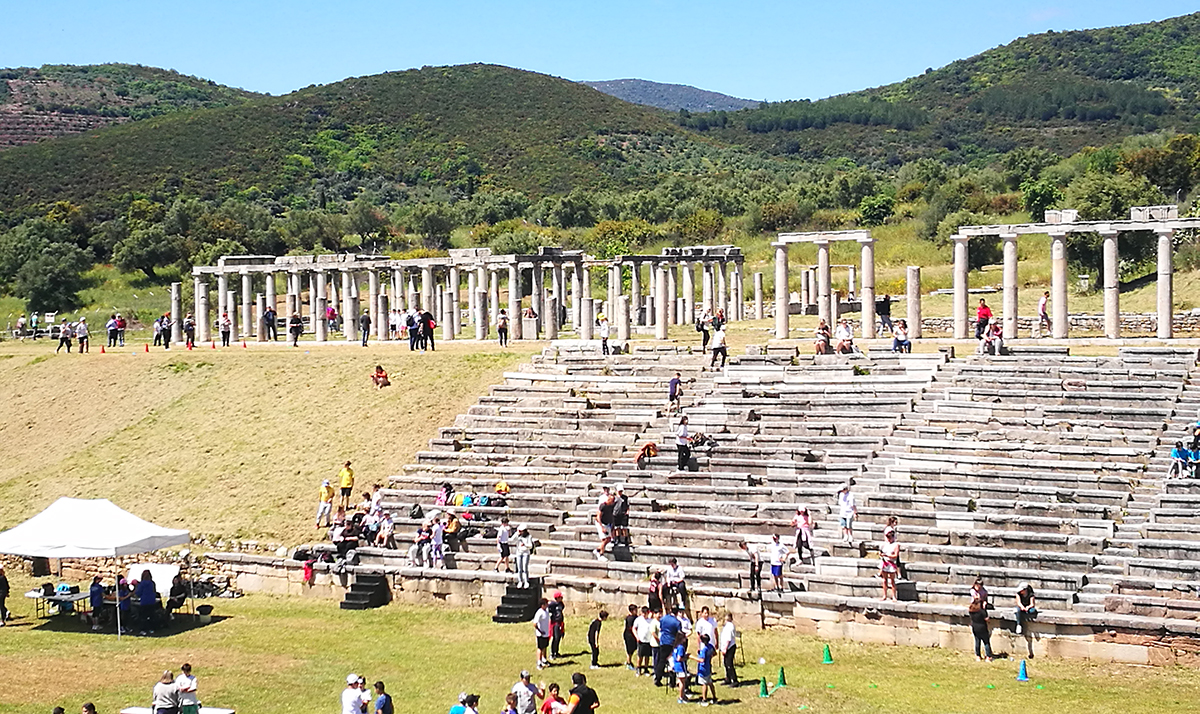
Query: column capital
x=773, y=245
x=960, y=238
x=868, y=240
x=1163, y=231
x=1008, y=236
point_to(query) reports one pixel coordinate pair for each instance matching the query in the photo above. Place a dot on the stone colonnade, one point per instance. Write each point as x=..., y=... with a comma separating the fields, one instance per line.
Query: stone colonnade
x=816, y=284
x=663, y=288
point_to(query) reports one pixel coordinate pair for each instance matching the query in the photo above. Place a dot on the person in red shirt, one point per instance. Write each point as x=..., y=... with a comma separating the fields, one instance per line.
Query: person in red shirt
x=554, y=703
x=983, y=315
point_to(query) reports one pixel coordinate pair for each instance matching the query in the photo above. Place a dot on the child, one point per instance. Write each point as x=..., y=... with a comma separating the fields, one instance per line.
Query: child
x=704, y=670
x=380, y=377
x=1179, y=460
x=594, y=637
x=510, y=704
x=679, y=660
x=554, y=703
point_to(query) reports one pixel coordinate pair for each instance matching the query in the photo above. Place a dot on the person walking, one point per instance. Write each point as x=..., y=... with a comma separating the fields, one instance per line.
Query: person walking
x=525, y=548
x=604, y=521
x=983, y=316
x=541, y=632
x=884, y=312
x=802, y=523
x=502, y=328
x=847, y=510
x=64, y=336
x=593, y=637
x=558, y=624
x=1044, y=314
x=719, y=348
x=81, y=334
x=226, y=327
x=269, y=325
x=683, y=445
x=295, y=328
x=704, y=326
x=165, y=697
x=189, y=331
x=185, y=685
x=605, y=329
x=675, y=393
x=364, y=326
x=728, y=646
x=979, y=628
x=325, y=504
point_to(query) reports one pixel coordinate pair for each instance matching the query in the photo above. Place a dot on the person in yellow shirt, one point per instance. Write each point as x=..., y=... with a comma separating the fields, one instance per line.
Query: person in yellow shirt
x=325, y=506
x=346, y=481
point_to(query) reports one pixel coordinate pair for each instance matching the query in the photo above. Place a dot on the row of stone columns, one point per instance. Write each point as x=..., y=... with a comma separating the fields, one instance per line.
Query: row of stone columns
x=820, y=282
x=1058, y=307
x=674, y=282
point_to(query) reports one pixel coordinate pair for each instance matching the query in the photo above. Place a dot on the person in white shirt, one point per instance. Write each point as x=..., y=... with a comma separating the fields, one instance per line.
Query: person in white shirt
x=643, y=632
x=1043, y=313
x=683, y=445
x=527, y=694
x=844, y=337
x=185, y=683
x=524, y=551
x=719, y=348
x=165, y=695
x=675, y=584
x=728, y=647
x=778, y=553
x=541, y=630
x=352, y=701
x=847, y=510
x=502, y=534
x=439, y=539
x=706, y=624
x=605, y=329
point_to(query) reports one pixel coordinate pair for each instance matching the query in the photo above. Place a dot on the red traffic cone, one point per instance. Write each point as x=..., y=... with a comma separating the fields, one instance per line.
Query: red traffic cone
x=213, y=344
x=243, y=344
x=189, y=345
x=101, y=349
x=147, y=346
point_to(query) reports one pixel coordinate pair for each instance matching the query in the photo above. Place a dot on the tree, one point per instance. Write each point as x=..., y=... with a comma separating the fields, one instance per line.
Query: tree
x=700, y=226
x=366, y=220
x=434, y=221
x=1026, y=164
x=147, y=249
x=1100, y=197
x=1037, y=196
x=876, y=209
x=1172, y=168
x=51, y=282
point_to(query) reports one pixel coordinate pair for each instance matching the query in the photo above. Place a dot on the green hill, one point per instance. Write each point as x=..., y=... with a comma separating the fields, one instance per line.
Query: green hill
x=1058, y=91
x=672, y=97
x=460, y=126
x=59, y=100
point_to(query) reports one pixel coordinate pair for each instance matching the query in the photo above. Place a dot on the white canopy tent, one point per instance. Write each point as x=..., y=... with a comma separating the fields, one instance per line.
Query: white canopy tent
x=79, y=528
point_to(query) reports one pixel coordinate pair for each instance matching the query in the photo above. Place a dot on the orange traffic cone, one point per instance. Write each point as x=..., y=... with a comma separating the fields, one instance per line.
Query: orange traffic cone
x=189, y=345
x=147, y=346
x=101, y=349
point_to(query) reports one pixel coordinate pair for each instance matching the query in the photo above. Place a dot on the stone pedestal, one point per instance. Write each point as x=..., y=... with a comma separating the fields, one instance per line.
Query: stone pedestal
x=913, y=288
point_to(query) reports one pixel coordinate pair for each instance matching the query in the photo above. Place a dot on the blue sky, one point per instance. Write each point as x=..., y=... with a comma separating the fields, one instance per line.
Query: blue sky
x=758, y=49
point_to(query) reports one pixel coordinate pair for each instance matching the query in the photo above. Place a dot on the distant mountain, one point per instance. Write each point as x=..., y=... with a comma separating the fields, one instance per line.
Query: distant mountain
x=59, y=100
x=671, y=97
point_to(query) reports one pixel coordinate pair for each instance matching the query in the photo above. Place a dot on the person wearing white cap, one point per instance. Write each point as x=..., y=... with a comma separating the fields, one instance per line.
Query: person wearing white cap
x=527, y=694
x=524, y=551
x=461, y=707
x=81, y=333
x=352, y=699
x=325, y=506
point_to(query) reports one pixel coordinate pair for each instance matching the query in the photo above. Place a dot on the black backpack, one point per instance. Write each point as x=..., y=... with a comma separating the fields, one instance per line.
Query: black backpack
x=416, y=511
x=699, y=326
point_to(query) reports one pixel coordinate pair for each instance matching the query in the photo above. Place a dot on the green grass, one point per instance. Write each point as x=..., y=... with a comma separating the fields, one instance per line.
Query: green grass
x=275, y=654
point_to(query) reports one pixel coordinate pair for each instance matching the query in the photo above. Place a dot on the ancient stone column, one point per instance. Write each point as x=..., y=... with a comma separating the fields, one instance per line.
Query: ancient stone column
x=453, y=284
x=731, y=310
x=635, y=290
x=1060, y=325
x=758, y=296
x=427, y=290
x=1166, y=306
x=824, y=283
x=321, y=326
x=235, y=327
x=176, y=312
x=414, y=297
x=373, y=299
x=782, y=318
x=444, y=300
x=552, y=318
x=722, y=290
x=689, y=292
x=270, y=289
x=349, y=319
x=397, y=291
x=247, y=304
x=587, y=318
x=203, y=318
x=196, y=302
x=706, y=287
x=851, y=283
x=381, y=309
x=222, y=293
x=515, y=325
x=806, y=291
x=662, y=303
x=867, y=293
x=623, y=318
x=558, y=290
x=472, y=295
x=962, y=318
x=537, y=297
x=672, y=292
x=913, y=287
x=1112, y=286
x=261, y=305
x=1009, y=283
x=493, y=279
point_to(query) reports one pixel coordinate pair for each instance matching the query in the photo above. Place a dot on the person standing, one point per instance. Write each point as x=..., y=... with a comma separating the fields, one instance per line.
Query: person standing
x=269, y=325
x=364, y=326
x=583, y=698
x=847, y=510
x=683, y=445
x=527, y=694
x=122, y=324
x=352, y=696
x=111, y=328
x=889, y=562
x=629, y=637
x=728, y=646
x=643, y=631
x=605, y=329
x=884, y=311
x=226, y=327
x=502, y=328
x=295, y=328
x=325, y=505
x=185, y=684
x=802, y=523
x=541, y=632
x=383, y=700
x=669, y=629
x=502, y=545
x=64, y=336
x=427, y=327
x=189, y=330
x=33, y=325
x=704, y=326
x=983, y=316
x=604, y=521
x=558, y=624
x=81, y=333
x=778, y=553
x=346, y=484
x=5, y=615
x=704, y=675
x=621, y=517
x=96, y=600
x=1043, y=313
x=752, y=552
x=165, y=697
x=524, y=552
x=593, y=637
x=979, y=628
x=719, y=348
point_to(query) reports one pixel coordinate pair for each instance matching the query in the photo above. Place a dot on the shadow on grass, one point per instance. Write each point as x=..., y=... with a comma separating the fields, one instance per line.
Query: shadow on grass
x=71, y=624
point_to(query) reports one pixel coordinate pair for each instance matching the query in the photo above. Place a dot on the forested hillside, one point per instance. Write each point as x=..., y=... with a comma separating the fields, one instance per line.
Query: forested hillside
x=672, y=97
x=1058, y=91
x=59, y=100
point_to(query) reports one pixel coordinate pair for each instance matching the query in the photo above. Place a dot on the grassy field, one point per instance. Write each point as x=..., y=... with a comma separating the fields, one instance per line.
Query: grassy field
x=273, y=654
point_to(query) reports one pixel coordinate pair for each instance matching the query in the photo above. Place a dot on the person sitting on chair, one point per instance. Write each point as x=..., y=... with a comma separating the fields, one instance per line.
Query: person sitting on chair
x=177, y=598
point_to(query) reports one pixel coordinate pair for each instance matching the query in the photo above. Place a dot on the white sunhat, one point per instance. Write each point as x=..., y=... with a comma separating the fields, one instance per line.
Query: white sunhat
x=351, y=679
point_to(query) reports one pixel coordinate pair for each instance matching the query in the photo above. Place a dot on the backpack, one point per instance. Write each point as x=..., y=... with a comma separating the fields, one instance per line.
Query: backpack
x=699, y=326
x=416, y=511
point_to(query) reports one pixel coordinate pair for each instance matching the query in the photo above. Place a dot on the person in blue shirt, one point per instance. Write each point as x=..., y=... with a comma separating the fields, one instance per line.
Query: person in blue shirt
x=1179, y=461
x=670, y=629
x=147, y=600
x=679, y=660
x=1193, y=463
x=96, y=600
x=124, y=603
x=383, y=700
x=708, y=690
